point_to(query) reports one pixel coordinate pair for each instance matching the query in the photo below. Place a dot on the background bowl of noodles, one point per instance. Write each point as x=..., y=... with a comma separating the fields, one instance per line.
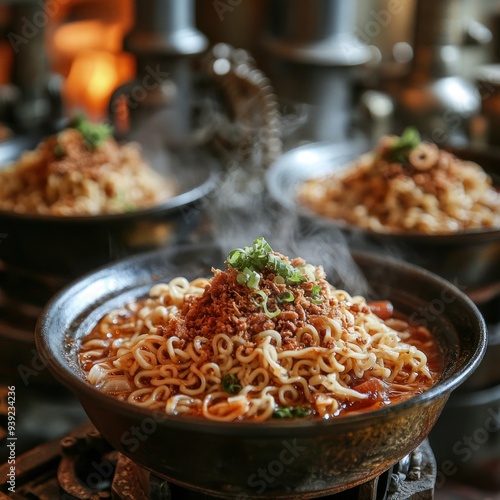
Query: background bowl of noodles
x=468, y=258
x=315, y=456
x=40, y=252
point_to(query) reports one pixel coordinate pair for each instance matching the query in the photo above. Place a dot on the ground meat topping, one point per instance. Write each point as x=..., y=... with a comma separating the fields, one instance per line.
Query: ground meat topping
x=230, y=307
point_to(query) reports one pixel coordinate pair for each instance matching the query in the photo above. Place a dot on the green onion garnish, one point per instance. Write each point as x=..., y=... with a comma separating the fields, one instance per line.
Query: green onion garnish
x=260, y=256
x=249, y=278
x=231, y=383
x=262, y=295
x=292, y=412
x=262, y=303
x=399, y=151
x=315, y=295
x=93, y=133
x=242, y=278
x=286, y=296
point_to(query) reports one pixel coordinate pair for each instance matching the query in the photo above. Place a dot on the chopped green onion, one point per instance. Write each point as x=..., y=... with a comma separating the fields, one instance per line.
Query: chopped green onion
x=309, y=271
x=292, y=412
x=271, y=314
x=279, y=280
x=302, y=411
x=409, y=139
x=253, y=280
x=236, y=258
x=399, y=151
x=296, y=278
x=249, y=278
x=286, y=296
x=262, y=295
x=242, y=278
x=283, y=412
x=315, y=295
x=230, y=383
x=263, y=304
x=93, y=133
x=260, y=256
x=287, y=271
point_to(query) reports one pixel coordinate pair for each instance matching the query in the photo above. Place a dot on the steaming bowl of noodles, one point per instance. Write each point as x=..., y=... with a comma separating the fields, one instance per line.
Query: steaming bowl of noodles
x=434, y=207
x=206, y=376
x=82, y=199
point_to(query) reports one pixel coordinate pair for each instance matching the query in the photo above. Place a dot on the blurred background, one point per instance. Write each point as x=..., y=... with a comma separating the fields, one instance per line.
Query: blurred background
x=353, y=67
x=251, y=79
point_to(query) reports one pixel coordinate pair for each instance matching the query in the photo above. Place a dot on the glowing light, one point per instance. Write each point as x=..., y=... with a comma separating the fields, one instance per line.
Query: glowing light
x=85, y=45
x=94, y=75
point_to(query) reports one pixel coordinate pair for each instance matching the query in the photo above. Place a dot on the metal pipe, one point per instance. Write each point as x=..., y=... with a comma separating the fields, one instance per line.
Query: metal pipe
x=38, y=106
x=434, y=96
x=163, y=40
x=165, y=28
x=316, y=56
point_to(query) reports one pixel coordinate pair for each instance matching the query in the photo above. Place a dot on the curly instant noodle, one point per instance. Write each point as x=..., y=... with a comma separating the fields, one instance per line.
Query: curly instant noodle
x=405, y=185
x=67, y=176
x=266, y=337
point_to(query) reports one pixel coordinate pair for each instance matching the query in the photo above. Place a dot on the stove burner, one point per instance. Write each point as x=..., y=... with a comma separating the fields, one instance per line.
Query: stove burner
x=82, y=465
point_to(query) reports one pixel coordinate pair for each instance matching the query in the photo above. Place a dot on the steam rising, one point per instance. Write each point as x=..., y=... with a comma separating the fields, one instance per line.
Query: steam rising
x=242, y=210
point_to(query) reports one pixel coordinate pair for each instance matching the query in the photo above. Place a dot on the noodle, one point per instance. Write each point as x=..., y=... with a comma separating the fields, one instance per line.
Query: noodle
x=64, y=177
x=208, y=347
x=412, y=187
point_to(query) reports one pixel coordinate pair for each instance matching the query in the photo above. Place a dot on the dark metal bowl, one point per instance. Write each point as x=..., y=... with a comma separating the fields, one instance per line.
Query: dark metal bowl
x=470, y=259
x=42, y=253
x=275, y=459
